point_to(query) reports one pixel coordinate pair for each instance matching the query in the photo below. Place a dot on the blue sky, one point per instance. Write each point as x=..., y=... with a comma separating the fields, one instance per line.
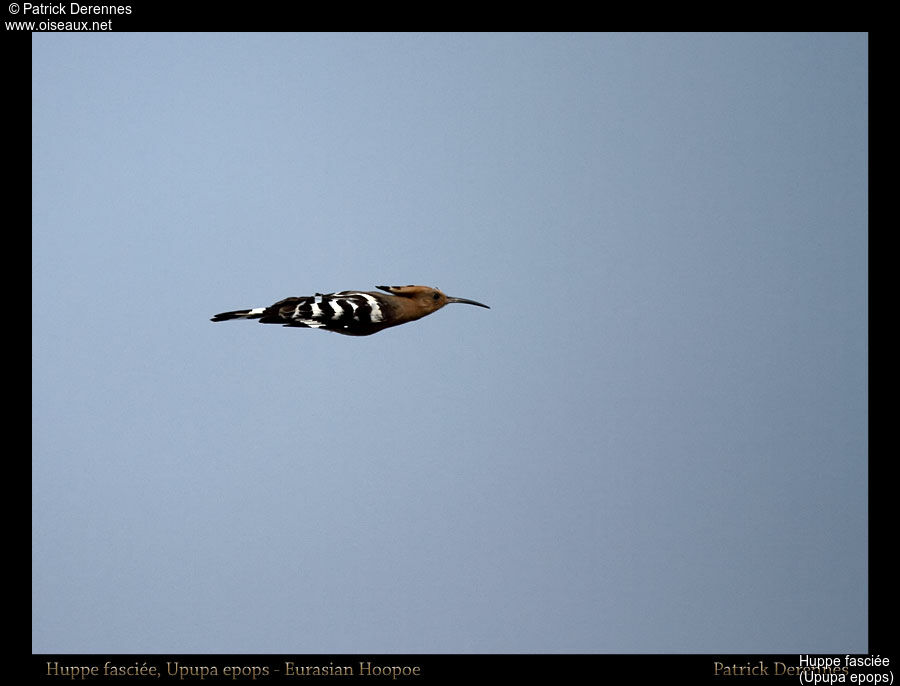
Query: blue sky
x=654, y=441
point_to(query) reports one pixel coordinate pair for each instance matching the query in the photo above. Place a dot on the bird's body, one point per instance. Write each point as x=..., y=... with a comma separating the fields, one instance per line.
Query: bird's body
x=352, y=313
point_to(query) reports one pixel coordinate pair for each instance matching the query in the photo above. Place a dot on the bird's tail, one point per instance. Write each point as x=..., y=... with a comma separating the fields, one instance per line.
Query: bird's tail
x=255, y=313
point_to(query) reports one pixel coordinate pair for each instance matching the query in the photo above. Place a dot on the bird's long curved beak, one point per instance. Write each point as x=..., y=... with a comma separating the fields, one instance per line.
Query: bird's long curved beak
x=466, y=302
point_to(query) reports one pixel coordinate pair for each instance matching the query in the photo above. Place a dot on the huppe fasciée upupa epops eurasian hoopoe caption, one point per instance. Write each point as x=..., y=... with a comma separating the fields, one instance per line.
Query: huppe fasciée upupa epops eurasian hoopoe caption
x=352, y=313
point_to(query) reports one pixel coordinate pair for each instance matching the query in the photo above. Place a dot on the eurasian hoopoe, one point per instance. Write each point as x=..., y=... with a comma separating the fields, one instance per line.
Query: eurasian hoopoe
x=353, y=313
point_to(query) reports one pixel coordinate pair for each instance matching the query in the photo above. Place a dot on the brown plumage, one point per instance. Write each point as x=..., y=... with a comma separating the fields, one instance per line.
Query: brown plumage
x=352, y=313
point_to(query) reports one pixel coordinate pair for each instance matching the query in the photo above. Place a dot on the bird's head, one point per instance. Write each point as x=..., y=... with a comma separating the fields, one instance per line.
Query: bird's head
x=427, y=300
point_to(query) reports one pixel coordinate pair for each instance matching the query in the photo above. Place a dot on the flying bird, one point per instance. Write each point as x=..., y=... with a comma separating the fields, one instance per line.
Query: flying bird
x=352, y=313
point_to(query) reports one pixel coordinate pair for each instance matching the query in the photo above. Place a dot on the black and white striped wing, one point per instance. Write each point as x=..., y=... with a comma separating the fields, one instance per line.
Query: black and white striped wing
x=353, y=313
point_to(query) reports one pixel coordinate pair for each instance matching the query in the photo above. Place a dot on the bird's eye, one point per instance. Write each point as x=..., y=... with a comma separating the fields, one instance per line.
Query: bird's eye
x=436, y=296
